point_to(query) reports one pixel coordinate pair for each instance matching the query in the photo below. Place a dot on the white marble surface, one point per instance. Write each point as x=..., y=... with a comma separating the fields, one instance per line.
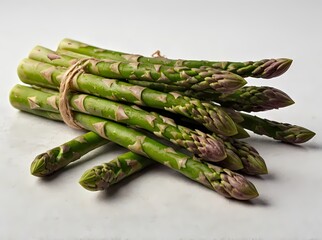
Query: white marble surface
x=159, y=203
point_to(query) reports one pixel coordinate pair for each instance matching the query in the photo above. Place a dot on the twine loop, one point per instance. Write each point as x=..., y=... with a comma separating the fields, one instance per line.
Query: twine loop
x=156, y=54
x=71, y=73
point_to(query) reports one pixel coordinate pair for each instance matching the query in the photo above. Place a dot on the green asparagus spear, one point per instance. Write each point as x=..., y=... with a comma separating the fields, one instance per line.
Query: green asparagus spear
x=224, y=181
x=254, y=99
x=210, y=115
x=102, y=176
x=189, y=78
x=54, y=159
x=205, y=146
x=248, y=98
x=280, y=131
x=267, y=68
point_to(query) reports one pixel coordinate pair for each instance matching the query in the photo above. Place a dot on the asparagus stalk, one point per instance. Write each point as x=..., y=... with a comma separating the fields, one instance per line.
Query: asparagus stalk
x=248, y=98
x=266, y=68
x=189, y=78
x=102, y=176
x=254, y=99
x=224, y=181
x=211, y=116
x=279, y=131
x=54, y=159
x=205, y=146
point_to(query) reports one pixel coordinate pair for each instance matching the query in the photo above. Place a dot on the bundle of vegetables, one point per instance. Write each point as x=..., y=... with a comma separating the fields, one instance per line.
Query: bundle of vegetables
x=134, y=101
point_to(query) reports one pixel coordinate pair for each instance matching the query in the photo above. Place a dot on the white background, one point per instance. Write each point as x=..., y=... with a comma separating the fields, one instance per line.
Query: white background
x=159, y=203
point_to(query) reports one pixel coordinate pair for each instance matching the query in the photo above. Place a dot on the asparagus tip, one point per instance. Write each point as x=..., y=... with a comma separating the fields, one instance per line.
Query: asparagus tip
x=225, y=123
x=257, y=166
x=232, y=162
x=276, y=98
x=277, y=67
x=210, y=149
x=228, y=82
x=88, y=180
x=295, y=135
x=242, y=133
x=38, y=166
x=238, y=186
x=304, y=136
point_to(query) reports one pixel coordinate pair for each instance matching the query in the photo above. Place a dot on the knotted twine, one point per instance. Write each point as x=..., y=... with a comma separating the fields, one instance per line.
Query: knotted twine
x=71, y=73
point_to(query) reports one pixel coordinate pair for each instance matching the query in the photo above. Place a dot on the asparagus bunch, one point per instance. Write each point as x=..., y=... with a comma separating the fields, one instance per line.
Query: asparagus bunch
x=223, y=181
x=204, y=95
x=205, y=146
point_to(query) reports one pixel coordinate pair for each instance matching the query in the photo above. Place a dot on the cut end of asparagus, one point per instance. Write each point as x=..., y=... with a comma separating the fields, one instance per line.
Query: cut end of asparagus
x=238, y=186
x=89, y=180
x=38, y=166
x=275, y=67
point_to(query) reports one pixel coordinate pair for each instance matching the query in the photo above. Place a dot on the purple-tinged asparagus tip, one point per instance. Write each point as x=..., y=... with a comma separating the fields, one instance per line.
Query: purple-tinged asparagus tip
x=226, y=82
x=276, y=67
x=210, y=149
x=238, y=186
x=276, y=98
